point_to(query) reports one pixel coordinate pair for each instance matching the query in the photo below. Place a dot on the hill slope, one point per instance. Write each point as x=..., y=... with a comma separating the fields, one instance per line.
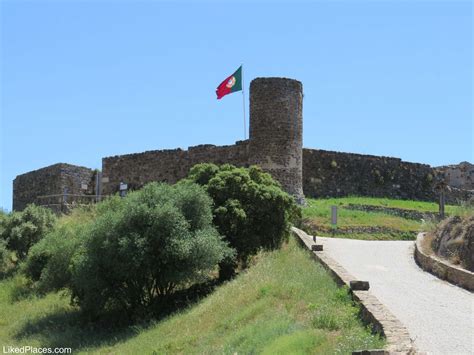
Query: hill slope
x=285, y=302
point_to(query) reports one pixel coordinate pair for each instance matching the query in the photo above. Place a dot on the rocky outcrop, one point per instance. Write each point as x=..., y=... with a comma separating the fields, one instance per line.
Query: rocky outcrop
x=454, y=240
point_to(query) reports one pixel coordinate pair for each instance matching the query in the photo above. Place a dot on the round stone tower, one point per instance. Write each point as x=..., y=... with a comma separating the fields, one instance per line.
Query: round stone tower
x=276, y=131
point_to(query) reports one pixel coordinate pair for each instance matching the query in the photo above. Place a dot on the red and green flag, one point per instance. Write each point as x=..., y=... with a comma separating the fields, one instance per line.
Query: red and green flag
x=231, y=84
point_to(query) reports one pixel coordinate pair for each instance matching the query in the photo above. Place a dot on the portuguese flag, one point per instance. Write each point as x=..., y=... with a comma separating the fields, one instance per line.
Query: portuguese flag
x=231, y=84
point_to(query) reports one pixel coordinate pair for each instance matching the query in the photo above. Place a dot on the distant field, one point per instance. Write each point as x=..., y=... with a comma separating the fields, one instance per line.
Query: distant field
x=285, y=303
x=357, y=224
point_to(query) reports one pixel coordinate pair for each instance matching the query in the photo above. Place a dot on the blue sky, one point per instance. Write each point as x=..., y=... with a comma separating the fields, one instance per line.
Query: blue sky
x=84, y=80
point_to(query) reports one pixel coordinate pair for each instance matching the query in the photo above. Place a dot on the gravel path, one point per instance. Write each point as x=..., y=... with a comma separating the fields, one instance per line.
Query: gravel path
x=438, y=315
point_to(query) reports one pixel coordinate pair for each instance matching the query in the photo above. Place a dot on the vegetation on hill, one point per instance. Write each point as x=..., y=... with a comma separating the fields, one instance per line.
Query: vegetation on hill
x=250, y=209
x=134, y=252
x=48, y=264
x=422, y=206
x=357, y=217
x=145, y=253
x=19, y=231
x=284, y=303
x=152, y=259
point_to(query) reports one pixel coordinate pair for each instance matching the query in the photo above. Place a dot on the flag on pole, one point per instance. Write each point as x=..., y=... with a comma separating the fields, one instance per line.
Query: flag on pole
x=231, y=84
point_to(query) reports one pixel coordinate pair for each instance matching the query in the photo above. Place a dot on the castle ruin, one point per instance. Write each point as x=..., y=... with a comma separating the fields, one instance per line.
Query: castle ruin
x=275, y=144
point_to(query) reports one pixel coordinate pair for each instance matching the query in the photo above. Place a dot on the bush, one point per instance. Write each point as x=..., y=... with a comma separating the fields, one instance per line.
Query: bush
x=48, y=263
x=5, y=260
x=3, y=220
x=250, y=208
x=21, y=230
x=154, y=242
x=6, y=264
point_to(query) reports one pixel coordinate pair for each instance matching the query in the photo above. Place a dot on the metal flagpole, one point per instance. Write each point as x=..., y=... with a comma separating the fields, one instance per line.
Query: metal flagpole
x=243, y=102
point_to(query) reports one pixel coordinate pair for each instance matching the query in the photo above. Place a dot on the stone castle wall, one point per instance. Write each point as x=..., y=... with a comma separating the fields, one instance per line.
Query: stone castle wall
x=52, y=180
x=325, y=174
x=275, y=144
x=166, y=165
x=335, y=174
x=459, y=176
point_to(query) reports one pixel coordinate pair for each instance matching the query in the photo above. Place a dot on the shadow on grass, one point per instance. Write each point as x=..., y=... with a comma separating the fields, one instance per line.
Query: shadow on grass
x=72, y=330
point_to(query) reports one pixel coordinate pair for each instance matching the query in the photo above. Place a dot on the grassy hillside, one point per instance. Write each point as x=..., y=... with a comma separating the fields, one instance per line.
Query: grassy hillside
x=367, y=225
x=421, y=206
x=284, y=303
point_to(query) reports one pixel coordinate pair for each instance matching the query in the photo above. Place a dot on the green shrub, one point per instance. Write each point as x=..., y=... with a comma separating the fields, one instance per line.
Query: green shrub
x=152, y=243
x=5, y=260
x=19, y=288
x=250, y=208
x=48, y=263
x=3, y=220
x=21, y=230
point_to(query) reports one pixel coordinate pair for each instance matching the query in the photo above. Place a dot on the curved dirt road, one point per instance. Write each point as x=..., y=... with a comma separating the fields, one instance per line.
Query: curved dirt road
x=438, y=315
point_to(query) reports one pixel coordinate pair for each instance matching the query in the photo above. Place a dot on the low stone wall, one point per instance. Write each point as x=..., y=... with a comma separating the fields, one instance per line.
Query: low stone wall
x=400, y=212
x=440, y=268
x=311, y=227
x=166, y=165
x=372, y=311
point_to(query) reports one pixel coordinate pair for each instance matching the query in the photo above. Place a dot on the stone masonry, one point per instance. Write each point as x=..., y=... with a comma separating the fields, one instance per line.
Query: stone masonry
x=275, y=144
x=460, y=176
x=166, y=165
x=52, y=180
x=333, y=174
x=276, y=131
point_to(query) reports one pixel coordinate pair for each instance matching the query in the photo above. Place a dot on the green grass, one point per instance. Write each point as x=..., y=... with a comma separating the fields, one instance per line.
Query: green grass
x=319, y=213
x=317, y=216
x=284, y=303
x=421, y=206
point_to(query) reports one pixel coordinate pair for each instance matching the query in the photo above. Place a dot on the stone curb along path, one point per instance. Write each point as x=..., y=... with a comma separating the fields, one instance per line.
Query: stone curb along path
x=438, y=267
x=373, y=312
